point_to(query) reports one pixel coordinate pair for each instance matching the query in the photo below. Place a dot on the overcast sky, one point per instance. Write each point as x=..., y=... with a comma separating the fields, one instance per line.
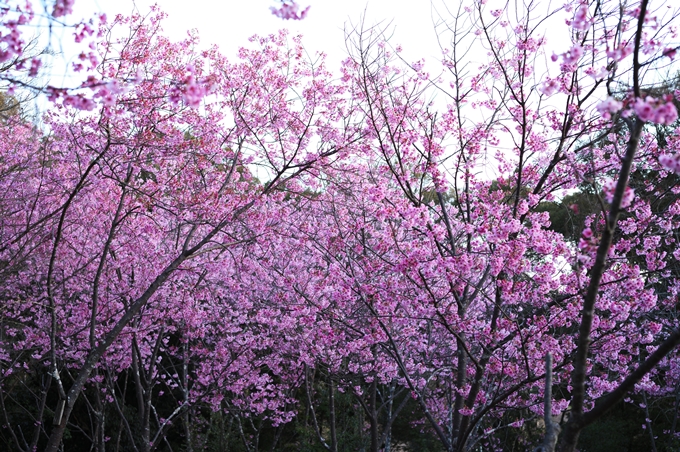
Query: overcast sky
x=229, y=23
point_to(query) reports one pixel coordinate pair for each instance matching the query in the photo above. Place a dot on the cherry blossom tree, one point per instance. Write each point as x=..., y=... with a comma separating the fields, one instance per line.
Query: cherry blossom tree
x=464, y=282
x=107, y=226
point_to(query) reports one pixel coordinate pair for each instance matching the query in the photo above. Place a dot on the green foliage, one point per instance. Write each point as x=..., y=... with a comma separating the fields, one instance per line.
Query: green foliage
x=568, y=216
x=620, y=430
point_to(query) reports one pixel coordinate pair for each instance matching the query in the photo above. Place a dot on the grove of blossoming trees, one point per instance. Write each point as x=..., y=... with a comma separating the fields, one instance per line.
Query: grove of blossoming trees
x=198, y=253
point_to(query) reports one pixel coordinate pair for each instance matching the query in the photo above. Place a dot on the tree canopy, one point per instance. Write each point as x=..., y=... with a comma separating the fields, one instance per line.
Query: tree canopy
x=205, y=253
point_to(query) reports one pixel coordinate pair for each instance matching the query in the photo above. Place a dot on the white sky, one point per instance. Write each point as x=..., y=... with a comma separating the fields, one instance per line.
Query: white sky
x=230, y=23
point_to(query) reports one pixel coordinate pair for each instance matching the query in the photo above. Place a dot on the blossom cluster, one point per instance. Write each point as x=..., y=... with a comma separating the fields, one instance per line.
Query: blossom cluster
x=609, y=189
x=609, y=106
x=581, y=20
x=671, y=162
x=11, y=41
x=570, y=58
x=289, y=10
x=189, y=90
x=62, y=8
x=587, y=244
x=657, y=111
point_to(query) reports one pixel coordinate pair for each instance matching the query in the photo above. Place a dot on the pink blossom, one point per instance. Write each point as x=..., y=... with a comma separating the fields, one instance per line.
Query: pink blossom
x=35, y=67
x=570, y=58
x=609, y=189
x=581, y=21
x=85, y=30
x=12, y=40
x=620, y=52
x=587, y=244
x=666, y=114
x=597, y=74
x=644, y=109
x=549, y=87
x=573, y=55
x=655, y=110
x=609, y=106
x=193, y=94
x=671, y=162
x=79, y=102
x=587, y=233
x=628, y=197
x=189, y=89
x=62, y=8
x=289, y=10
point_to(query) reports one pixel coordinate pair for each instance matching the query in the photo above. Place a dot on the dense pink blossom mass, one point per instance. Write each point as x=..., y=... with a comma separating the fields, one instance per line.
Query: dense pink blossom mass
x=189, y=240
